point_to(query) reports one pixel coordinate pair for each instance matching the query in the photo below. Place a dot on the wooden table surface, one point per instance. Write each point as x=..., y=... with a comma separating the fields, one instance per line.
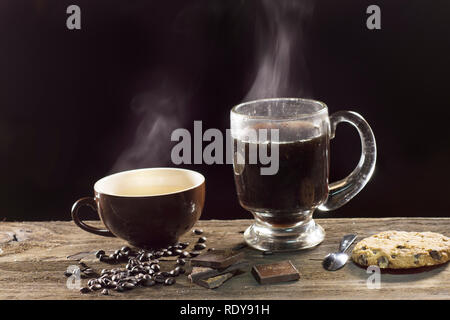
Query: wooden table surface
x=34, y=256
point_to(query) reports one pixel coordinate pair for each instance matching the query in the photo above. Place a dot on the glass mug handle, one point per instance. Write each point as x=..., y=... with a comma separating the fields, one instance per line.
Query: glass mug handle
x=342, y=191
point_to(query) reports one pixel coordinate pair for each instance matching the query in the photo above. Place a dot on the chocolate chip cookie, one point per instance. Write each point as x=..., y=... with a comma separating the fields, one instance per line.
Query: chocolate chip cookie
x=402, y=250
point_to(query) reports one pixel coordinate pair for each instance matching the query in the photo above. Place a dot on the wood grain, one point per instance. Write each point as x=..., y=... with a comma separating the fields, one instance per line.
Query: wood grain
x=34, y=256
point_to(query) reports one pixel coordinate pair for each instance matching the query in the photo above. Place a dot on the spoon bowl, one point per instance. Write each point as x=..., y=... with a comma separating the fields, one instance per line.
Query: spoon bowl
x=336, y=260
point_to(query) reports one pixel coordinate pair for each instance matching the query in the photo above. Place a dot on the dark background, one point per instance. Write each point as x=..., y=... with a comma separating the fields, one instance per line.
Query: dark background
x=78, y=105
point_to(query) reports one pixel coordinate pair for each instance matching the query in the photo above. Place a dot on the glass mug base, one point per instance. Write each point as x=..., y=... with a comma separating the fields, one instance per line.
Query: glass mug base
x=265, y=237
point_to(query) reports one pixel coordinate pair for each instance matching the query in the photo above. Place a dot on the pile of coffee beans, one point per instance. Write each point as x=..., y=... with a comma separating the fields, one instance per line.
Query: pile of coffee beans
x=142, y=267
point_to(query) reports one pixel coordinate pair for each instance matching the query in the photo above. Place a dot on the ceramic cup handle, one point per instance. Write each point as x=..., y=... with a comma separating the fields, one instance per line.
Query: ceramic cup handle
x=90, y=202
x=342, y=191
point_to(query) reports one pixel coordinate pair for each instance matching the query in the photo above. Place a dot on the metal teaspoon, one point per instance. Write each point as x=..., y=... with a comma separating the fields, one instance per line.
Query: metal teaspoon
x=335, y=261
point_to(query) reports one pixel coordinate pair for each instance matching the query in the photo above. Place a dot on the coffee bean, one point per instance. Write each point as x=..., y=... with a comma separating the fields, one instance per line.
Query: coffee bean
x=174, y=273
x=155, y=267
x=211, y=249
x=135, y=270
x=184, y=245
x=180, y=270
x=112, y=256
x=201, y=240
x=169, y=281
x=89, y=272
x=199, y=246
x=154, y=262
x=194, y=253
x=96, y=287
x=184, y=254
x=142, y=258
x=197, y=231
x=168, y=253
x=176, y=252
x=104, y=258
x=68, y=273
x=159, y=279
x=165, y=274
x=104, y=271
x=105, y=292
x=120, y=288
x=83, y=266
x=129, y=285
x=125, y=249
x=99, y=253
x=149, y=283
x=158, y=254
x=181, y=261
x=91, y=282
x=85, y=290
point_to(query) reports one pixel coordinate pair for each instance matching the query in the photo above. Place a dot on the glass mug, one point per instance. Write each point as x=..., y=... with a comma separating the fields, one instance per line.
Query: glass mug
x=283, y=203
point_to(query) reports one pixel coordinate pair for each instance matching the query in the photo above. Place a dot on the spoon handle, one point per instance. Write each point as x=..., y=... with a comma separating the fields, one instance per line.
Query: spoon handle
x=346, y=242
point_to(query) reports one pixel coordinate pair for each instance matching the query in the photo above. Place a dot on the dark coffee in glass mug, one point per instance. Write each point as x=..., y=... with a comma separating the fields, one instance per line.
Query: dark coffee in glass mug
x=283, y=203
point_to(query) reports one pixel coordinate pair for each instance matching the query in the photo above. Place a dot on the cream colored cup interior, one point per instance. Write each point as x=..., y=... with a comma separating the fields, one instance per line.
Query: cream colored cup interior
x=149, y=182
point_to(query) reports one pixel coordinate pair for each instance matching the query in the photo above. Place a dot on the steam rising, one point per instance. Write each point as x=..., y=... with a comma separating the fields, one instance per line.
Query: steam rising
x=160, y=112
x=282, y=70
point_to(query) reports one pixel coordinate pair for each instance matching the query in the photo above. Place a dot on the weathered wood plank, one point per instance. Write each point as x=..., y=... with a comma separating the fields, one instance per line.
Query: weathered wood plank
x=33, y=258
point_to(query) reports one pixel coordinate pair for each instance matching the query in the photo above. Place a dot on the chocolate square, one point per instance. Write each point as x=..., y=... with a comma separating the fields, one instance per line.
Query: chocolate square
x=275, y=272
x=217, y=259
x=199, y=273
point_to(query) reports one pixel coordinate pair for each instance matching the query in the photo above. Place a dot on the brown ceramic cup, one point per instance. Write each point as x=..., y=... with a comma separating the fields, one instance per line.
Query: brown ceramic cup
x=149, y=208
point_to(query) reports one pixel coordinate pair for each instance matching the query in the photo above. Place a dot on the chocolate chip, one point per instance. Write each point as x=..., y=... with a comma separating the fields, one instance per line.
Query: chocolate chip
x=362, y=259
x=435, y=255
x=383, y=262
x=417, y=258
